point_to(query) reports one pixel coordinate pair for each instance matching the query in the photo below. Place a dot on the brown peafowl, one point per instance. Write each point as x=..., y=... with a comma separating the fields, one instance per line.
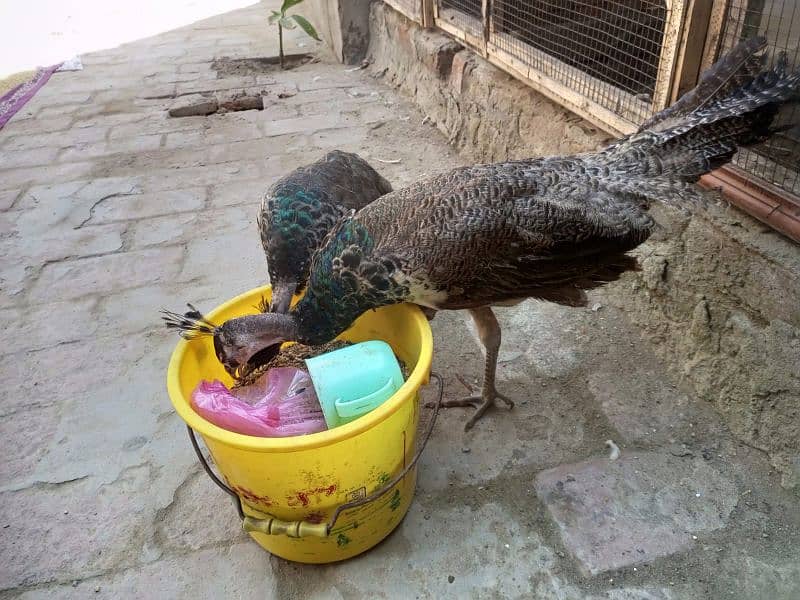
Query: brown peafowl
x=301, y=208
x=546, y=228
x=295, y=215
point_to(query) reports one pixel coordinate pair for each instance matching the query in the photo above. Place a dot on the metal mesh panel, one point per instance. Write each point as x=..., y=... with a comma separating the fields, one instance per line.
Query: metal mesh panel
x=606, y=50
x=777, y=162
x=410, y=8
x=466, y=15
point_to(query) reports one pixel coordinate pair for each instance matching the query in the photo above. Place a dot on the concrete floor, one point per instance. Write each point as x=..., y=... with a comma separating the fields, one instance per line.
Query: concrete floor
x=46, y=32
x=111, y=210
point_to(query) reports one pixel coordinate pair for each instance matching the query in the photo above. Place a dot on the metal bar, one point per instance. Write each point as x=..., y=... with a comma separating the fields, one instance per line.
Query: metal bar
x=236, y=500
x=757, y=198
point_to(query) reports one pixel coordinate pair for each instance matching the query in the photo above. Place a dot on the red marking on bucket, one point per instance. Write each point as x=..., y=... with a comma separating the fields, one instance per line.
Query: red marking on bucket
x=315, y=517
x=303, y=497
x=252, y=497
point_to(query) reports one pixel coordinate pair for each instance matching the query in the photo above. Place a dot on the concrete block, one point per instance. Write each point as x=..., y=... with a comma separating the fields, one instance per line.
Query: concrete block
x=97, y=535
x=103, y=274
x=615, y=514
x=134, y=145
x=61, y=139
x=139, y=206
x=58, y=122
x=343, y=25
x=193, y=105
x=47, y=324
x=246, y=193
x=241, y=571
x=23, y=176
x=25, y=447
x=8, y=198
x=162, y=230
x=300, y=124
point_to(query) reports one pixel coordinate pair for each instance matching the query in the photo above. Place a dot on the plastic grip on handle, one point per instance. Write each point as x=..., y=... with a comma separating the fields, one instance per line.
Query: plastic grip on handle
x=293, y=529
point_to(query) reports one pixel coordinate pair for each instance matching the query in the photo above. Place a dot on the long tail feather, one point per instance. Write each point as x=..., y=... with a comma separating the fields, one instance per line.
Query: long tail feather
x=733, y=108
x=733, y=71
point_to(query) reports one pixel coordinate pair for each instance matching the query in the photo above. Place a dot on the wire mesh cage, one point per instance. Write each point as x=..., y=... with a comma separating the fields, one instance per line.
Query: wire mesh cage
x=608, y=51
x=609, y=60
x=778, y=161
x=462, y=18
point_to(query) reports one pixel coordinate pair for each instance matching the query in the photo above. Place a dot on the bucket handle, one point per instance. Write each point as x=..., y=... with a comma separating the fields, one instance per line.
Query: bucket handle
x=296, y=529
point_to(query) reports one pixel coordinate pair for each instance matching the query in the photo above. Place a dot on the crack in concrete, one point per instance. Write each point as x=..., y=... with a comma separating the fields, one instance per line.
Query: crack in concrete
x=13, y=592
x=92, y=208
x=45, y=485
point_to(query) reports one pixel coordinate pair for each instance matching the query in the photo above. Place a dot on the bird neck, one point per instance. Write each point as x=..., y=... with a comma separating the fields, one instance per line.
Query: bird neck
x=337, y=292
x=282, y=293
x=320, y=319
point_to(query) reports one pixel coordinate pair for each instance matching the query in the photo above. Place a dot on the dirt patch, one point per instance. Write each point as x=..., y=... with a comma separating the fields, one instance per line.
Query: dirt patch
x=238, y=67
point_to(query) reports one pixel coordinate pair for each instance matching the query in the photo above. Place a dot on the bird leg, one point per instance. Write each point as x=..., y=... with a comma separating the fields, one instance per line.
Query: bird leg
x=489, y=334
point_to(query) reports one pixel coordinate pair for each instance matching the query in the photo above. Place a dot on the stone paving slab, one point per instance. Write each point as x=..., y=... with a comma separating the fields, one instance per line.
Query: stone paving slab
x=111, y=210
x=634, y=509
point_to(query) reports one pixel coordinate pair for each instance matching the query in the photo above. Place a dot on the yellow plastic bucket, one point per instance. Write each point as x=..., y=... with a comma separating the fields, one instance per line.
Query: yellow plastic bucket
x=327, y=496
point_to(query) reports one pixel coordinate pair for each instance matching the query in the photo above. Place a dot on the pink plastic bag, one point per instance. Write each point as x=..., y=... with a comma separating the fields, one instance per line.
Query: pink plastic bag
x=282, y=403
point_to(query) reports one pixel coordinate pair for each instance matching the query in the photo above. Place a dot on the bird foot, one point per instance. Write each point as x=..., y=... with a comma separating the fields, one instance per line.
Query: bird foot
x=487, y=400
x=481, y=402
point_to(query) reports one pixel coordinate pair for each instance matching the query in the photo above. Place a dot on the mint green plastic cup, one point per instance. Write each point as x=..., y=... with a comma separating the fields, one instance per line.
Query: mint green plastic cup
x=352, y=381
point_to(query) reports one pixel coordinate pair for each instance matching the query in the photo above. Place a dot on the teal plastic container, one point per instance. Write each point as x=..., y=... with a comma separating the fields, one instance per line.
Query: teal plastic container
x=352, y=381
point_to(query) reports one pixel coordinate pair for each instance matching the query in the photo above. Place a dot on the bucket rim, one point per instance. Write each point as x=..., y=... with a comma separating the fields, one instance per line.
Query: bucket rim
x=416, y=379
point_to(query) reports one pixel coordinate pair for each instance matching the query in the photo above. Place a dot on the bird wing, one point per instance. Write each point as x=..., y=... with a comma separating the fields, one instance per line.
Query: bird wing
x=506, y=232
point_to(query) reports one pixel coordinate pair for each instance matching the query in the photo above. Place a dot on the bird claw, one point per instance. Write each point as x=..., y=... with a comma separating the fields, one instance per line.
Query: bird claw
x=487, y=400
x=480, y=402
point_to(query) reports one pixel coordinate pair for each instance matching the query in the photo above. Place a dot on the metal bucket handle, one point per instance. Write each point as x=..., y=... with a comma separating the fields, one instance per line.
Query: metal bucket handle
x=273, y=526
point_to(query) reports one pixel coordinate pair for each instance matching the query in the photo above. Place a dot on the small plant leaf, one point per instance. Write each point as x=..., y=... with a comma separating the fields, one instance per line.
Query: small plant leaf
x=274, y=17
x=287, y=23
x=306, y=26
x=287, y=4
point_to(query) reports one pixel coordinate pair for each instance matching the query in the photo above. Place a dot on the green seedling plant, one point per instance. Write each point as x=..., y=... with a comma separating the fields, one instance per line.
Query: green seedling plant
x=285, y=21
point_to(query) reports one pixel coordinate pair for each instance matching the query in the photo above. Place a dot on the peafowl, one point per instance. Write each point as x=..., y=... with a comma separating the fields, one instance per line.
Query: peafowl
x=301, y=208
x=546, y=228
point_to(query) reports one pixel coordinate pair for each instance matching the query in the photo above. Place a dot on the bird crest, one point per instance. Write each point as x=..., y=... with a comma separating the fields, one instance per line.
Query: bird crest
x=190, y=325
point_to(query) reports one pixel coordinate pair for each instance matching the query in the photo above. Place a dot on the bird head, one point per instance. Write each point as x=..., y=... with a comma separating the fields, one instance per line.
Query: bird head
x=241, y=344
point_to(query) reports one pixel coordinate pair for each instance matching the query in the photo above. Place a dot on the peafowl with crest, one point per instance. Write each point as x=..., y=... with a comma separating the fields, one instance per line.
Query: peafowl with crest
x=545, y=228
x=295, y=215
x=301, y=208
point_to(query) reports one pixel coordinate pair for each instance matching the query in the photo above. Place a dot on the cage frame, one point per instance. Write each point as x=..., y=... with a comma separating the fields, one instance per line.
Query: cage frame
x=422, y=15
x=758, y=197
x=477, y=43
x=674, y=43
x=693, y=37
